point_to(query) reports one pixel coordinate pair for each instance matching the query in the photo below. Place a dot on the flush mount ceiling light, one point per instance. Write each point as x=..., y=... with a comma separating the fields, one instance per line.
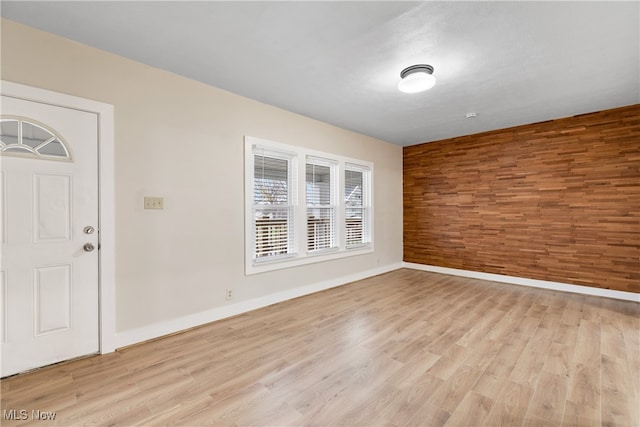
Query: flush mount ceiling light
x=416, y=78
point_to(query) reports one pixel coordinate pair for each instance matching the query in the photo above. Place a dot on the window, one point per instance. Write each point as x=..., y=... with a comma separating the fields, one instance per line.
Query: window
x=321, y=201
x=20, y=137
x=298, y=215
x=273, y=204
x=356, y=205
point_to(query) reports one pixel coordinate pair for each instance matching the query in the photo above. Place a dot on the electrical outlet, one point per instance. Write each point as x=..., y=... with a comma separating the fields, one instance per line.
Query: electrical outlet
x=154, y=203
x=229, y=294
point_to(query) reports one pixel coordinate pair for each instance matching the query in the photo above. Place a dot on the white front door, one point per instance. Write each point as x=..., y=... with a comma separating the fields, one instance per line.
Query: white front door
x=49, y=234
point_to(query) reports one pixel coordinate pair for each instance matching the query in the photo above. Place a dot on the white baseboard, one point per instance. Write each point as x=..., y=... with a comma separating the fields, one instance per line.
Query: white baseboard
x=145, y=333
x=134, y=336
x=535, y=283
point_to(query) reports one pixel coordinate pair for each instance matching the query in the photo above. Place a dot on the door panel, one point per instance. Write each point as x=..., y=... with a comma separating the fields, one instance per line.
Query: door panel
x=52, y=299
x=3, y=308
x=50, y=193
x=52, y=207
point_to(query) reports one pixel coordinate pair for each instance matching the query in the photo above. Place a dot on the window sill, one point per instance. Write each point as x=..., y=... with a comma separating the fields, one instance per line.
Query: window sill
x=264, y=266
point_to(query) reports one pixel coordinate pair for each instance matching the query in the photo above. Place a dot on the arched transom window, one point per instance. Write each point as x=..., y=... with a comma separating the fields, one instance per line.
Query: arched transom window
x=22, y=137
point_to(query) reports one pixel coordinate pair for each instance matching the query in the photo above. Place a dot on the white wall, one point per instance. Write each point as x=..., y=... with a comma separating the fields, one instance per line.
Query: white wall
x=183, y=140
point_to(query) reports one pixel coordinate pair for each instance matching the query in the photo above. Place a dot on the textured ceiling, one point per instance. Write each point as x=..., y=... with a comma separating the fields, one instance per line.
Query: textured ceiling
x=510, y=62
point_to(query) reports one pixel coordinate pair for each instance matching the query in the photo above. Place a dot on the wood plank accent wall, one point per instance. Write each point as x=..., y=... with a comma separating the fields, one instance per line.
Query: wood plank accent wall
x=557, y=200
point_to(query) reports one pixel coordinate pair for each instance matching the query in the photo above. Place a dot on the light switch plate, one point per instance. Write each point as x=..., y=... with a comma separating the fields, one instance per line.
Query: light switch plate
x=153, y=202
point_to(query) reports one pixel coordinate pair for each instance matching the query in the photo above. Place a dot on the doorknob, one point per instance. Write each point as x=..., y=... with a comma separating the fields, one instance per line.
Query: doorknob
x=88, y=247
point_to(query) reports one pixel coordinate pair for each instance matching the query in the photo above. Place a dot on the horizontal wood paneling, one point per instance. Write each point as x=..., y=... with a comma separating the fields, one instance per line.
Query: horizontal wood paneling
x=557, y=200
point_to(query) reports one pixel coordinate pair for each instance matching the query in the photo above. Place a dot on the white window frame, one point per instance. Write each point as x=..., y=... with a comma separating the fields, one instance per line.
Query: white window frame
x=365, y=206
x=333, y=204
x=291, y=206
x=302, y=255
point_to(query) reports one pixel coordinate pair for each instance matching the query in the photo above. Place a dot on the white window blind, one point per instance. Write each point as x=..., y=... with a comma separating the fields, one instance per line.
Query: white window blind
x=273, y=204
x=356, y=206
x=321, y=209
x=304, y=206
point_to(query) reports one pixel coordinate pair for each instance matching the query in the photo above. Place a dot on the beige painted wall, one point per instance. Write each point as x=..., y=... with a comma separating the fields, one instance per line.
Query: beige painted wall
x=183, y=140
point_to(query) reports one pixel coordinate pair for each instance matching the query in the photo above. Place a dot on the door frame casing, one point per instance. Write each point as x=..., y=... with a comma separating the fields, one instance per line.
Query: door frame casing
x=106, y=195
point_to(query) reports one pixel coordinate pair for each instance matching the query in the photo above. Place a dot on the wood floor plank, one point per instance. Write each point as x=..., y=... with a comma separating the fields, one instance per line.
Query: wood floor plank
x=577, y=415
x=619, y=402
x=488, y=385
x=473, y=407
x=510, y=406
x=566, y=334
x=585, y=396
x=559, y=359
x=406, y=348
x=455, y=388
x=588, y=343
x=482, y=354
x=612, y=338
x=427, y=415
x=508, y=355
x=483, y=322
x=541, y=340
x=548, y=402
x=185, y=413
x=632, y=340
x=527, y=326
x=572, y=313
x=410, y=373
x=370, y=411
x=450, y=362
x=528, y=368
x=410, y=402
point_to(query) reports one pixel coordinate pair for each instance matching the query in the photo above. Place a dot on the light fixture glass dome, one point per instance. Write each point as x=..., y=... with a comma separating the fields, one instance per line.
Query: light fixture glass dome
x=417, y=78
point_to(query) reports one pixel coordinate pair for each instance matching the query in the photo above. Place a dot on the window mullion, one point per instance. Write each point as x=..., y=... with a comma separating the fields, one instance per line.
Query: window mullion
x=301, y=212
x=340, y=207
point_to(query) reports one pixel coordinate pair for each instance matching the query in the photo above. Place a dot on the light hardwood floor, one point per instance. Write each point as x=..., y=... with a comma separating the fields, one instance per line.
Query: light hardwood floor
x=404, y=348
